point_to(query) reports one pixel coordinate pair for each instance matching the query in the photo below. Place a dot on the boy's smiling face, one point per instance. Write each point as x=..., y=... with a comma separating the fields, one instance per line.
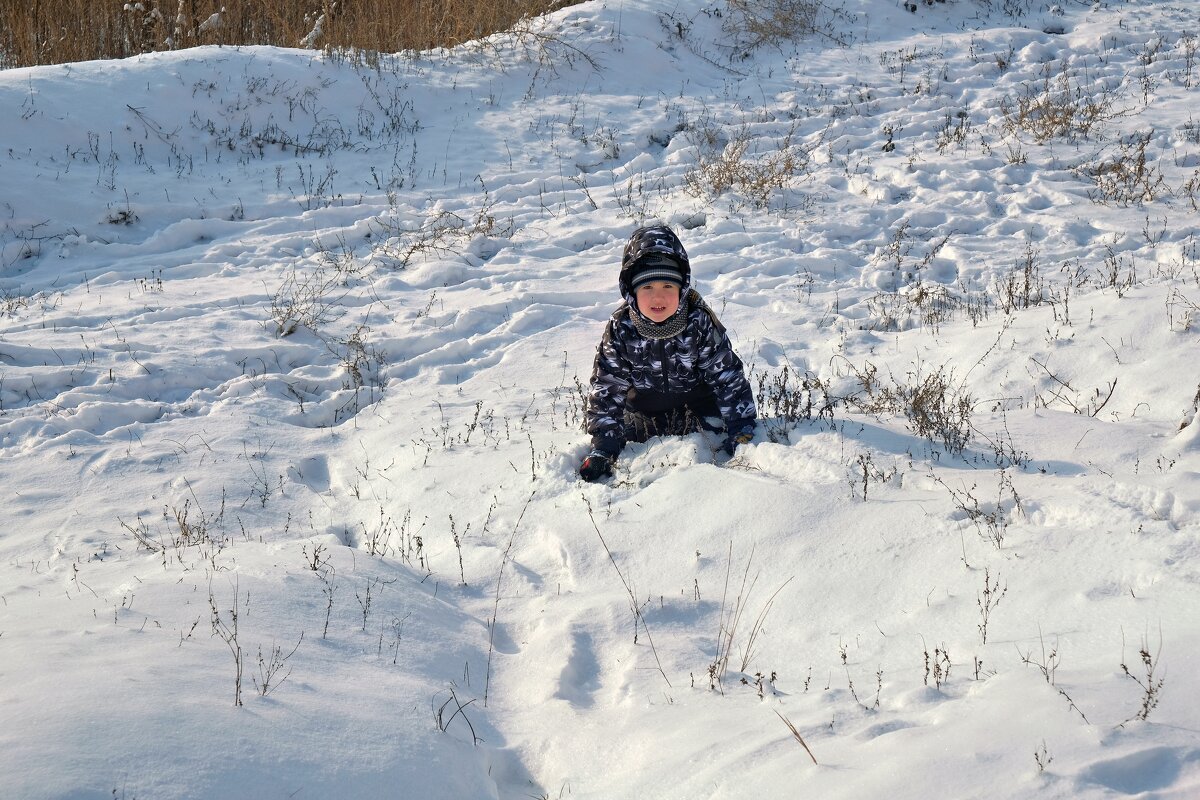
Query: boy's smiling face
x=657, y=300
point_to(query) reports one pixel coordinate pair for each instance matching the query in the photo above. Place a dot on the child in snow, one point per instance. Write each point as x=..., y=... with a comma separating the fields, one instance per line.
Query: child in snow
x=665, y=366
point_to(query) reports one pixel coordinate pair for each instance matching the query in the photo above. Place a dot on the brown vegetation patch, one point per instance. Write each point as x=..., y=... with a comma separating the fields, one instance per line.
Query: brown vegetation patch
x=59, y=31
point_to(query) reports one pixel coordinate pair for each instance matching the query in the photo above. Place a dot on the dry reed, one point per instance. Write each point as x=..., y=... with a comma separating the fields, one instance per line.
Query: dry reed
x=59, y=31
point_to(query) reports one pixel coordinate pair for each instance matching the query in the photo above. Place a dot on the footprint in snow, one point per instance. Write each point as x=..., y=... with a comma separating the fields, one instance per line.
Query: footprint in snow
x=311, y=472
x=1154, y=769
x=884, y=728
x=580, y=677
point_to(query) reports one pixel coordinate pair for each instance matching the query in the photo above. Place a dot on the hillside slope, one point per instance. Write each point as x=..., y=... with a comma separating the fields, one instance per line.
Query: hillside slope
x=293, y=356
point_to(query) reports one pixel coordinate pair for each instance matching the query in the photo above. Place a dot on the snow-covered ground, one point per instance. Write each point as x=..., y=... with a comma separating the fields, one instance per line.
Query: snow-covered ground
x=292, y=359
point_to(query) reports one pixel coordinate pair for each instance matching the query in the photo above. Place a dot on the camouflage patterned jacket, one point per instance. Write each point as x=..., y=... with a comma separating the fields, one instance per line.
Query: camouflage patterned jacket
x=665, y=373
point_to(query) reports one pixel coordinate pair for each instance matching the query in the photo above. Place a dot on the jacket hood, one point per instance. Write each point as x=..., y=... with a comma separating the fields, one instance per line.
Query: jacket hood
x=648, y=240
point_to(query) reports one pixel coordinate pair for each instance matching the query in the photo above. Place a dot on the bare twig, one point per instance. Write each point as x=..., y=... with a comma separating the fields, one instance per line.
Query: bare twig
x=633, y=603
x=496, y=607
x=443, y=722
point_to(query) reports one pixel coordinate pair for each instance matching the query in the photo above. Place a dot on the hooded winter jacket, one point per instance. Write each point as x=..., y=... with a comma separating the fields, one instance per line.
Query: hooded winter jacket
x=651, y=375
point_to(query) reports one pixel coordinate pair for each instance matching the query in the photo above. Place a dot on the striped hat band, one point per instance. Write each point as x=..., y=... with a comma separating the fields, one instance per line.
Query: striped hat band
x=656, y=267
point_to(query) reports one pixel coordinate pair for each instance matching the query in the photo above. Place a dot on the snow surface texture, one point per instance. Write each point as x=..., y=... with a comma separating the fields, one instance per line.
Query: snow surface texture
x=291, y=349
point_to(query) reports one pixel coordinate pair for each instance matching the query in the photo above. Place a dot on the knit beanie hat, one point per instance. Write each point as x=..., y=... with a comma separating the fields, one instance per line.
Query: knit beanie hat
x=655, y=267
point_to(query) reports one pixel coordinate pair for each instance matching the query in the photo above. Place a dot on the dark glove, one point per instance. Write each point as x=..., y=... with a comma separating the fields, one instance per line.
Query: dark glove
x=595, y=466
x=742, y=436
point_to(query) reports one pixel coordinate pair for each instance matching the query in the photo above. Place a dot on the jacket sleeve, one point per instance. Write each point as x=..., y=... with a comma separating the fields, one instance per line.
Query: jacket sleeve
x=725, y=375
x=606, y=401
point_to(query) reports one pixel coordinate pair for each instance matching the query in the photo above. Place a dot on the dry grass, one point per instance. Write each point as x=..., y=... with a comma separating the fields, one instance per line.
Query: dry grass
x=757, y=23
x=934, y=406
x=59, y=31
x=1061, y=106
x=1128, y=177
x=746, y=164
